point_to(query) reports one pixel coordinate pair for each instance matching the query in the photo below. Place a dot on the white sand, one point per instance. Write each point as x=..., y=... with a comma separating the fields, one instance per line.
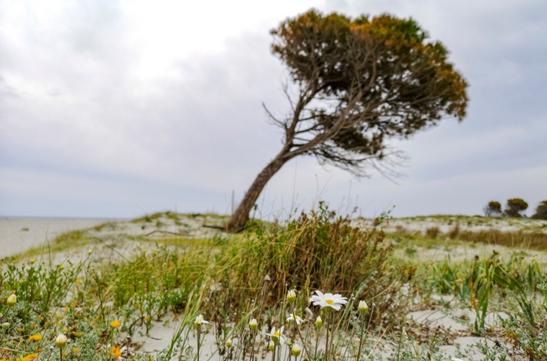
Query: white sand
x=20, y=234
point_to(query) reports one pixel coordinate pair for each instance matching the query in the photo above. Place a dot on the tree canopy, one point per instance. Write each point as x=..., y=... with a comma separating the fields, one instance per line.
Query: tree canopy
x=493, y=208
x=362, y=81
x=515, y=207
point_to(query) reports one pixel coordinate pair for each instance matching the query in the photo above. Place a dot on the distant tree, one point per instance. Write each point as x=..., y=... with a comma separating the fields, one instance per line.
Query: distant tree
x=356, y=83
x=515, y=207
x=493, y=208
x=541, y=210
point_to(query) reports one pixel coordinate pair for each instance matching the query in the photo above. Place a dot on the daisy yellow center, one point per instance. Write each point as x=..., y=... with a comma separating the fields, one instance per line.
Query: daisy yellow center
x=329, y=301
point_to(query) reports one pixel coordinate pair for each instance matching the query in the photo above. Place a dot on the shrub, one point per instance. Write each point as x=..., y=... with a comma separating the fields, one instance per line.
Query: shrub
x=432, y=232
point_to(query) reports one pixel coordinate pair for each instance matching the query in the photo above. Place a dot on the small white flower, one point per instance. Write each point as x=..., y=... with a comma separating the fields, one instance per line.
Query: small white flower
x=334, y=301
x=295, y=319
x=61, y=340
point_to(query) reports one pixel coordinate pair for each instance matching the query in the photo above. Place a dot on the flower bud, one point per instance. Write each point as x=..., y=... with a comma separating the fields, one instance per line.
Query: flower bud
x=363, y=307
x=229, y=343
x=291, y=296
x=253, y=324
x=61, y=340
x=271, y=346
x=296, y=350
x=318, y=322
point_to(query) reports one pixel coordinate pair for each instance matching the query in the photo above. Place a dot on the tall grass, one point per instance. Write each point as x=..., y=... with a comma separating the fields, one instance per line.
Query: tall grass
x=316, y=251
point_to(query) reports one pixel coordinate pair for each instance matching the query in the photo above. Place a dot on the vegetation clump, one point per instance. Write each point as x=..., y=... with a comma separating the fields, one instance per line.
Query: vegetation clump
x=316, y=251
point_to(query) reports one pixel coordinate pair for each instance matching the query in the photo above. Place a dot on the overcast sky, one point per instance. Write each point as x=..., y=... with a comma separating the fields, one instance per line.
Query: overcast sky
x=118, y=108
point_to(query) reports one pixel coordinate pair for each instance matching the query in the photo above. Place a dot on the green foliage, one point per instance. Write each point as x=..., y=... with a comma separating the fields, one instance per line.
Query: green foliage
x=515, y=207
x=384, y=75
x=166, y=275
x=40, y=286
x=478, y=283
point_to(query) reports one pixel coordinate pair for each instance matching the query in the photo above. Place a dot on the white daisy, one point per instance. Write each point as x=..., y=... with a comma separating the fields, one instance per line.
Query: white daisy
x=334, y=301
x=295, y=319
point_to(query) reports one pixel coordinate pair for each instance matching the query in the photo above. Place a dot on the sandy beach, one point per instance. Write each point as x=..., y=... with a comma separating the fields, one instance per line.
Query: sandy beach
x=18, y=234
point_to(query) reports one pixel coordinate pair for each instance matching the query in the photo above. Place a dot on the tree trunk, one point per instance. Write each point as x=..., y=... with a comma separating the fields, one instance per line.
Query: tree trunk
x=241, y=215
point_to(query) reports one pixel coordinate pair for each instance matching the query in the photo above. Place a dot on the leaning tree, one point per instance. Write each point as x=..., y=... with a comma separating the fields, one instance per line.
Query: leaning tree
x=356, y=82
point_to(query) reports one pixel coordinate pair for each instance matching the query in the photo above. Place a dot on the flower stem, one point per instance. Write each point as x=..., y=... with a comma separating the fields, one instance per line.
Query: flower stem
x=361, y=339
x=253, y=337
x=327, y=343
x=316, y=344
x=199, y=343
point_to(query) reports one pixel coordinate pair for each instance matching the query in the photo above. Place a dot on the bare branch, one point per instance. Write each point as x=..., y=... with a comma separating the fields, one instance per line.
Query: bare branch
x=276, y=121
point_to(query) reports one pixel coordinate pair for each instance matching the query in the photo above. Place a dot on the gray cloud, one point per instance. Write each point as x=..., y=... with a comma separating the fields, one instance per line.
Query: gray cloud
x=85, y=130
